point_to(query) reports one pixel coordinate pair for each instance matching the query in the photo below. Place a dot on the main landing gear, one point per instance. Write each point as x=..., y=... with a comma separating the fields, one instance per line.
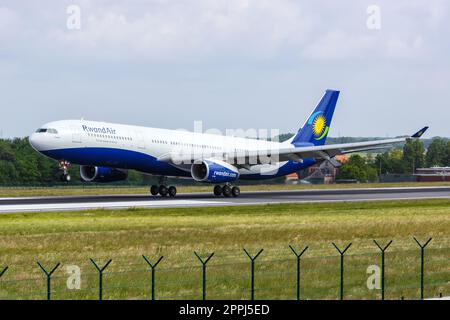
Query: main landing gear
x=64, y=166
x=227, y=191
x=163, y=190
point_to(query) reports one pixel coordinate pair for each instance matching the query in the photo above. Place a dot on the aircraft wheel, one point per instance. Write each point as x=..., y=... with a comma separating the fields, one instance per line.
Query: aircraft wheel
x=235, y=191
x=172, y=191
x=217, y=190
x=65, y=177
x=154, y=190
x=226, y=190
x=163, y=190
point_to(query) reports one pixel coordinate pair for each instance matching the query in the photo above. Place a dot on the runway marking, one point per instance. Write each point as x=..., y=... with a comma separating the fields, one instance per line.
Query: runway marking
x=74, y=203
x=287, y=192
x=336, y=200
x=102, y=205
x=174, y=204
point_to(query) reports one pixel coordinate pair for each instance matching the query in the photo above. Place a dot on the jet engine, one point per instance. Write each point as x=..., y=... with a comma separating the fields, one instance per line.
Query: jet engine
x=214, y=171
x=102, y=174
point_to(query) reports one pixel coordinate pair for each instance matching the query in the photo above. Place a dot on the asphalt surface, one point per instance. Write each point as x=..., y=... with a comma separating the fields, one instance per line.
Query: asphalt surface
x=35, y=204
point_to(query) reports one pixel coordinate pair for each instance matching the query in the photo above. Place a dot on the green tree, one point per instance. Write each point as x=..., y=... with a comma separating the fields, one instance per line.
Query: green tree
x=6, y=153
x=413, y=155
x=8, y=174
x=436, y=153
x=390, y=162
x=358, y=168
x=283, y=137
x=350, y=171
x=447, y=154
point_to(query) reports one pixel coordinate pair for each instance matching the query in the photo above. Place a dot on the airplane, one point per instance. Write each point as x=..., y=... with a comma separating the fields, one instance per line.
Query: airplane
x=107, y=151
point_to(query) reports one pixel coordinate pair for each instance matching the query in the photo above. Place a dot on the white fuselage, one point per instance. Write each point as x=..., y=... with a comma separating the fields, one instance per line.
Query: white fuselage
x=146, y=149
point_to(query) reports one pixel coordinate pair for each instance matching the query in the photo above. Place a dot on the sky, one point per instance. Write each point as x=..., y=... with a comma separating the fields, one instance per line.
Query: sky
x=228, y=63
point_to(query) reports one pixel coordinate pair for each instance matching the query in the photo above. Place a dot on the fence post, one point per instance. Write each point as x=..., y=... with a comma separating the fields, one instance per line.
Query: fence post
x=49, y=277
x=3, y=271
x=252, y=265
x=100, y=276
x=342, y=252
x=204, y=271
x=152, y=267
x=382, y=249
x=422, y=263
x=298, y=256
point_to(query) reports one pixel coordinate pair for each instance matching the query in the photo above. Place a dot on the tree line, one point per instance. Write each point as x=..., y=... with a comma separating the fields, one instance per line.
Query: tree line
x=404, y=160
x=21, y=165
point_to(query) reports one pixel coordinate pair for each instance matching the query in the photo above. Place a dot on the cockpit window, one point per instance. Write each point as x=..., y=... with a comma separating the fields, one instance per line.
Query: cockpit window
x=42, y=130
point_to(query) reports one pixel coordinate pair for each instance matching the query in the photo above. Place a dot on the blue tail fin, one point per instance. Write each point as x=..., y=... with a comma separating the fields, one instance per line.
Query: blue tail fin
x=315, y=129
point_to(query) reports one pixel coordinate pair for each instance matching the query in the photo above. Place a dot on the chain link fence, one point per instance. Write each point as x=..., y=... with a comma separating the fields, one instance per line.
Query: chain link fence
x=275, y=274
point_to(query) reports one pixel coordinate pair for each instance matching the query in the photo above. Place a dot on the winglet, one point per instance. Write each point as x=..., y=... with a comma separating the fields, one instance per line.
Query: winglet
x=419, y=133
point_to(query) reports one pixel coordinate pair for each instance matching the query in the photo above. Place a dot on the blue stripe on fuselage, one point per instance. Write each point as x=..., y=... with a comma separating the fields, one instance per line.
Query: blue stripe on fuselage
x=287, y=168
x=127, y=159
x=116, y=158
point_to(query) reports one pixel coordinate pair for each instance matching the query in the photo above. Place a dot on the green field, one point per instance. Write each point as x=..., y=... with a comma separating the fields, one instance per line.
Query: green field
x=124, y=235
x=108, y=190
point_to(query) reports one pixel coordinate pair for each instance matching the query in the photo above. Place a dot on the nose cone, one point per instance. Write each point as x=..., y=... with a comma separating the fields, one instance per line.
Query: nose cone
x=37, y=141
x=32, y=139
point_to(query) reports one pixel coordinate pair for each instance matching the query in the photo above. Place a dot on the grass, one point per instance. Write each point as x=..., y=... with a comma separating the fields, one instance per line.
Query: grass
x=124, y=235
x=109, y=190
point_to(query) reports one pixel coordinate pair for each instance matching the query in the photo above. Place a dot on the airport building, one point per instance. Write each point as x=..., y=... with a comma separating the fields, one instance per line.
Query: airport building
x=323, y=173
x=432, y=174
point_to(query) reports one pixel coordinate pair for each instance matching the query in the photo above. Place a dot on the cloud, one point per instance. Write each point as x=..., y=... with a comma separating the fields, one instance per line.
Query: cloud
x=242, y=56
x=215, y=29
x=190, y=29
x=9, y=24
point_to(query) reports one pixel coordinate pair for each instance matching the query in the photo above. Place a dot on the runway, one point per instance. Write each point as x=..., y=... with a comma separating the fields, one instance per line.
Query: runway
x=73, y=203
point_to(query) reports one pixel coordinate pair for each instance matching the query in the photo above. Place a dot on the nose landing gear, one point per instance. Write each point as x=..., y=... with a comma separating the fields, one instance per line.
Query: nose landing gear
x=64, y=166
x=226, y=191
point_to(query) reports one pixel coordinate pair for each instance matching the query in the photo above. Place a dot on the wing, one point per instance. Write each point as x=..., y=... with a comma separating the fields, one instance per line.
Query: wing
x=288, y=152
x=327, y=152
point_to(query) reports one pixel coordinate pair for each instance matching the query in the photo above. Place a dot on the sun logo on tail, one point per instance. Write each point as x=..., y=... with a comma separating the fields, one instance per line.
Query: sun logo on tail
x=319, y=125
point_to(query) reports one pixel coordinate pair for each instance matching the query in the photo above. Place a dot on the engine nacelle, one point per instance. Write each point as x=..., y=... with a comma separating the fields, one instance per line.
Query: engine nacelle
x=102, y=174
x=214, y=171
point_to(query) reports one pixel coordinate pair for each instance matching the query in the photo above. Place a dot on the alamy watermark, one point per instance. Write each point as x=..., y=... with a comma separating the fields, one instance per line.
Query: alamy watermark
x=374, y=280
x=373, y=21
x=245, y=147
x=74, y=279
x=73, y=21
